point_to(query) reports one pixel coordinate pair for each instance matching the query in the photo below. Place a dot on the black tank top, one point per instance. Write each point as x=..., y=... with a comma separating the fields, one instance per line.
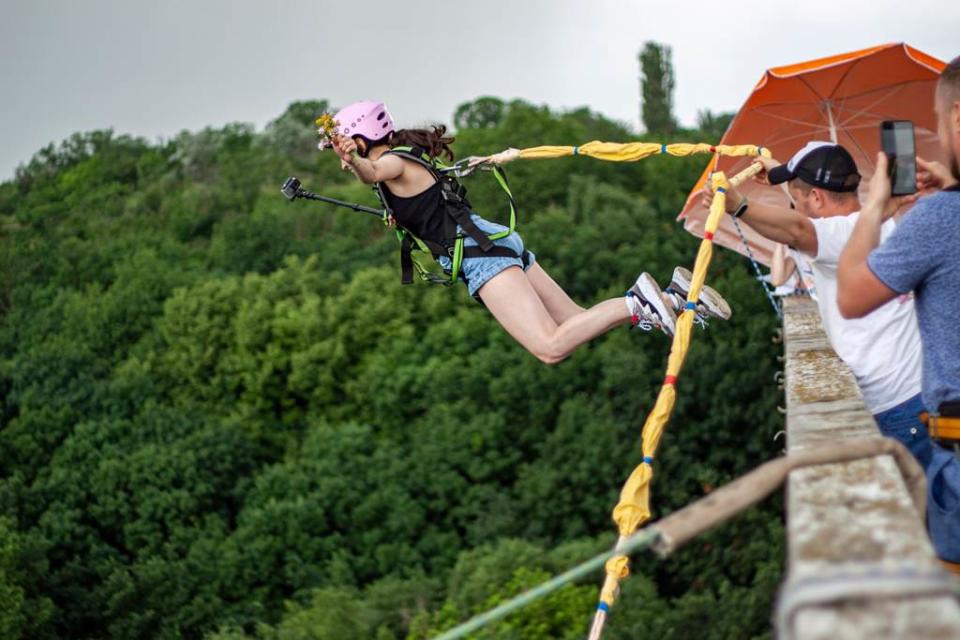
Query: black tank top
x=423, y=214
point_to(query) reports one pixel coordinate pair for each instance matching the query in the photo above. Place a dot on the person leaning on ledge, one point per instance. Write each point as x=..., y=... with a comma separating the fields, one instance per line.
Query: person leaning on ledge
x=884, y=350
x=921, y=257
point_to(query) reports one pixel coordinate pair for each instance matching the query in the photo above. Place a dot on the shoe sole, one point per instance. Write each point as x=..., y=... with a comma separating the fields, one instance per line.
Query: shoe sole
x=650, y=291
x=712, y=301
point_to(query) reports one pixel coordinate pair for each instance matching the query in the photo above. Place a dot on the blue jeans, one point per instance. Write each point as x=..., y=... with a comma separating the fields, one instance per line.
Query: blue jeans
x=943, y=503
x=902, y=423
x=942, y=469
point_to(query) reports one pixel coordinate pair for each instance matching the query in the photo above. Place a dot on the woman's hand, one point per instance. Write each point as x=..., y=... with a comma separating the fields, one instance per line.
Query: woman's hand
x=346, y=148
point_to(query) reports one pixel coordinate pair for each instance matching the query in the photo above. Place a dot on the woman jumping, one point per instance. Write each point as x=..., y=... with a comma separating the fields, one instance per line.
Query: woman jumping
x=523, y=298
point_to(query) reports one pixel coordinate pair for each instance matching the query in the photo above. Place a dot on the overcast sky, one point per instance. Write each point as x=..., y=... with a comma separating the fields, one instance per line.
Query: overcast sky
x=155, y=67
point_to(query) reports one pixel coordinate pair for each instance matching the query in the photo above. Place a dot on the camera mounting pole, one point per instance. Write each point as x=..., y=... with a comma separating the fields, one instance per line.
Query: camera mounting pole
x=292, y=190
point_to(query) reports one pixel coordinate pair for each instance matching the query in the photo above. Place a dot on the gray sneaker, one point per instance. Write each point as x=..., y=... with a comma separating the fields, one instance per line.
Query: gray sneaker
x=711, y=303
x=648, y=306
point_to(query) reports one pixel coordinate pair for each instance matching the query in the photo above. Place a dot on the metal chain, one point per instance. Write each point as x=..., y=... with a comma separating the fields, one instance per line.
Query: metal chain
x=756, y=268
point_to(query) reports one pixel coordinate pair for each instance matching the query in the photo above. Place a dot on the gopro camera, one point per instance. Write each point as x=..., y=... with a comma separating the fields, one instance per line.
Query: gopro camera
x=291, y=188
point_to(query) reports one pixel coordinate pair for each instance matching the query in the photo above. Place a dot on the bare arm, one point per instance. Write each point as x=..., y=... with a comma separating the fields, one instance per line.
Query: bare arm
x=859, y=290
x=779, y=224
x=384, y=168
x=379, y=170
x=782, y=266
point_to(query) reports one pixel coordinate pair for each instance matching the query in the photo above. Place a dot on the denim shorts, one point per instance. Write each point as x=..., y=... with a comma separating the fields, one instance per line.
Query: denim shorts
x=479, y=271
x=902, y=423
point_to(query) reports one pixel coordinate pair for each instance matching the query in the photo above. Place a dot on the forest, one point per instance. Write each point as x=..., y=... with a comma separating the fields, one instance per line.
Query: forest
x=222, y=417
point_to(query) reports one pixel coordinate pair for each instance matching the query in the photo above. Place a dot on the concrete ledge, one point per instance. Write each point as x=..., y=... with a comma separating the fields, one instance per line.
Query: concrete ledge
x=852, y=529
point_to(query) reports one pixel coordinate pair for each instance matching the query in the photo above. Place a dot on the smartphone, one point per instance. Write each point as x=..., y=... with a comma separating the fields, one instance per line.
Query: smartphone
x=896, y=140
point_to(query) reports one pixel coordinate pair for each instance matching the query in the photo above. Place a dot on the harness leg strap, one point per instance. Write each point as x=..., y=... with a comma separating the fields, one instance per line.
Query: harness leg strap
x=496, y=251
x=406, y=260
x=462, y=216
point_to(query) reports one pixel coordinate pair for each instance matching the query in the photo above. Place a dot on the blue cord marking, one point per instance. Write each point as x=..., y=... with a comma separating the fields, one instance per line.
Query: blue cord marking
x=663, y=148
x=648, y=459
x=721, y=190
x=603, y=607
x=692, y=306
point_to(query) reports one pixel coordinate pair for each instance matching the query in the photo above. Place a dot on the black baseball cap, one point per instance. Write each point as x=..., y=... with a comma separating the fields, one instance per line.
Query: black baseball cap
x=821, y=164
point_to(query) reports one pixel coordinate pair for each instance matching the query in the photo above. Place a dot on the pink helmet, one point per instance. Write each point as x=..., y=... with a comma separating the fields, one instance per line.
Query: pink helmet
x=368, y=119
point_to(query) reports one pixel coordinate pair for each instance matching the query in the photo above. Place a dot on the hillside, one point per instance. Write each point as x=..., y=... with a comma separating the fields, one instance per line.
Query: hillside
x=223, y=417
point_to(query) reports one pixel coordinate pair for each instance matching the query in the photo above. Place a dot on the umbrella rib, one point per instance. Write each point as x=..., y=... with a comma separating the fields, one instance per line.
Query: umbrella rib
x=772, y=138
x=897, y=86
x=866, y=110
x=785, y=118
x=861, y=149
x=769, y=142
x=844, y=77
x=787, y=103
x=882, y=116
x=809, y=86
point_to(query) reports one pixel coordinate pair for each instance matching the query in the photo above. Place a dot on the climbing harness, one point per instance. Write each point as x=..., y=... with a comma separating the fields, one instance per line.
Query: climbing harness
x=418, y=254
x=456, y=226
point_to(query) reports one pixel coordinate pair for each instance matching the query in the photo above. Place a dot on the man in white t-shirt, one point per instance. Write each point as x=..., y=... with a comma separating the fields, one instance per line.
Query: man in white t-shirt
x=883, y=349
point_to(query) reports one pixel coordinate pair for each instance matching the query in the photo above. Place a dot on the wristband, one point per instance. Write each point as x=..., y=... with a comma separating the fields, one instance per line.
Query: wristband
x=741, y=208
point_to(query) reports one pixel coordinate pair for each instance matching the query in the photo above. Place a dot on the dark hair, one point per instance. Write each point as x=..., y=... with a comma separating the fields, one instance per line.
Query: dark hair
x=434, y=142
x=949, y=84
x=839, y=197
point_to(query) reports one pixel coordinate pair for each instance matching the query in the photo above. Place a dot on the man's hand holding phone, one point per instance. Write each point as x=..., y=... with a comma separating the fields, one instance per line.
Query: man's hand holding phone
x=880, y=199
x=897, y=142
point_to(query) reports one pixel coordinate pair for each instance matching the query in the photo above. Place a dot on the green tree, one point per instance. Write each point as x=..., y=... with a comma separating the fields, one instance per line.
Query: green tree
x=221, y=414
x=483, y=113
x=713, y=125
x=656, y=88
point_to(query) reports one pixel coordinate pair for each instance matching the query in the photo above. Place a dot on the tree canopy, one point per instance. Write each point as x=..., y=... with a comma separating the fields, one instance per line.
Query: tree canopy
x=221, y=416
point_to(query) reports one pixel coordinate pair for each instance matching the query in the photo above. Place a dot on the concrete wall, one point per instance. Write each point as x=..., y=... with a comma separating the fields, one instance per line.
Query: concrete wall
x=854, y=537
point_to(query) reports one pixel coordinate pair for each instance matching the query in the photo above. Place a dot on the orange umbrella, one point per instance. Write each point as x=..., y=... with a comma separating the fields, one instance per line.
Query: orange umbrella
x=842, y=98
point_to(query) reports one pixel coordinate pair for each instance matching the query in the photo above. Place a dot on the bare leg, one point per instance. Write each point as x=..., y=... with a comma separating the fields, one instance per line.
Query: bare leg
x=559, y=305
x=512, y=299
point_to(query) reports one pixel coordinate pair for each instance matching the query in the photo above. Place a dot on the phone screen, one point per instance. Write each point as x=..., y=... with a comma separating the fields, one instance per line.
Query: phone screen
x=896, y=138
